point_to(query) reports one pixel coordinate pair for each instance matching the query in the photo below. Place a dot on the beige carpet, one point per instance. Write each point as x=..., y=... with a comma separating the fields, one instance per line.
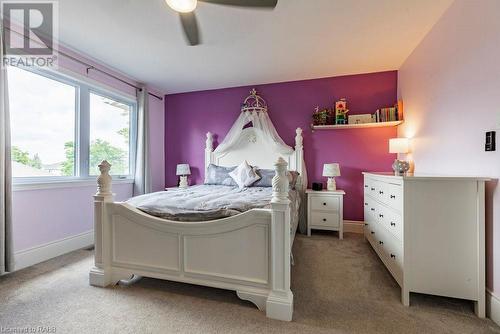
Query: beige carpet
x=339, y=287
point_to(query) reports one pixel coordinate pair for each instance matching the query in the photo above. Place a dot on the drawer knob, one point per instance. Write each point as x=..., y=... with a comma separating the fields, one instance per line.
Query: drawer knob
x=381, y=216
x=393, y=224
x=366, y=224
x=393, y=196
x=373, y=209
x=381, y=192
x=381, y=242
x=372, y=232
x=366, y=186
x=324, y=219
x=393, y=256
x=372, y=189
x=366, y=203
x=324, y=203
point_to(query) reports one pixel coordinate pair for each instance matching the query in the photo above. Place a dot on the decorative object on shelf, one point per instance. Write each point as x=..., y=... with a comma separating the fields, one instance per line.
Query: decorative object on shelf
x=317, y=186
x=360, y=119
x=183, y=171
x=341, y=111
x=331, y=170
x=254, y=102
x=355, y=126
x=323, y=117
x=400, y=145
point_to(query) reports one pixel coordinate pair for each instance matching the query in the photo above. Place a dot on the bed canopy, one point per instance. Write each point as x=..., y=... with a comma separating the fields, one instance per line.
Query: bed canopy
x=240, y=143
x=254, y=111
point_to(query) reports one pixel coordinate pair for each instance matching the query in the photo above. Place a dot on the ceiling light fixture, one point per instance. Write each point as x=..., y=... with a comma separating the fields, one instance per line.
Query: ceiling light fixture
x=182, y=6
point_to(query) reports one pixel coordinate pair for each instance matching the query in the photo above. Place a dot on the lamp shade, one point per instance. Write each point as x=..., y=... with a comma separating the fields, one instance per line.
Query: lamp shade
x=331, y=170
x=399, y=145
x=183, y=169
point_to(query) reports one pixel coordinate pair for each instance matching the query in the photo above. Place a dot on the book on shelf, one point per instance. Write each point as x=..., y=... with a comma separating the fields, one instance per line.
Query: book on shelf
x=390, y=114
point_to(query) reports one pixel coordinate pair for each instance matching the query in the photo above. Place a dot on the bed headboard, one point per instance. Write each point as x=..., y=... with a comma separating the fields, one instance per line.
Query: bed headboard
x=251, y=146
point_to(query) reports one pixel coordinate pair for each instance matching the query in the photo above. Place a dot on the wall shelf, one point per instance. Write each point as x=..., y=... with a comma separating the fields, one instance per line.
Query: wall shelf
x=356, y=126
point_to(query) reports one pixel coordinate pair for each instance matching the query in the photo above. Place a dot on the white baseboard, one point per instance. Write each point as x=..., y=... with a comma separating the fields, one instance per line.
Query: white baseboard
x=32, y=256
x=492, y=307
x=354, y=226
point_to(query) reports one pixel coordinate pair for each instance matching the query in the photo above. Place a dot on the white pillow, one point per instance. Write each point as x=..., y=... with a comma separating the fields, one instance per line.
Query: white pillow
x=244, y=175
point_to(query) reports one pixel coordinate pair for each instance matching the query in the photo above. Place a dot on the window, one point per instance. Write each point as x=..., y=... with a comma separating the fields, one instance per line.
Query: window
x=42, y=112
x=62, y=128
x=109, y=134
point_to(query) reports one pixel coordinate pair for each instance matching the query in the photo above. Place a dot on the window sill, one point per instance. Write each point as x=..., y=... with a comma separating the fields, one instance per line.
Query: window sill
x=20, y=186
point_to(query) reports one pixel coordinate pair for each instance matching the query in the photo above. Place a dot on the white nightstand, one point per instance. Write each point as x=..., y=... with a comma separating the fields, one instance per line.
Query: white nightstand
x=325, y=211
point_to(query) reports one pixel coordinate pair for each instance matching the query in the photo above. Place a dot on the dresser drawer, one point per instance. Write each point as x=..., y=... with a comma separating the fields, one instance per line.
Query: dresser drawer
x=393, y=196
x=390, y=251
x=326, y=219
x=394, y=224
x=327, y=203
x=394, y=257
x=370, y=209
x=370, y=187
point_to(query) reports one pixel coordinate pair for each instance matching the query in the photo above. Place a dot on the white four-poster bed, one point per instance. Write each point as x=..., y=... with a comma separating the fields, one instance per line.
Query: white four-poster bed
x=249, y=253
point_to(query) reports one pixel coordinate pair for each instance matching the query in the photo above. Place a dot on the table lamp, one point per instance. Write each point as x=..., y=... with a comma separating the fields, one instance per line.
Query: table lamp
x=400, y=145
x=183, y=171
x=331, y=171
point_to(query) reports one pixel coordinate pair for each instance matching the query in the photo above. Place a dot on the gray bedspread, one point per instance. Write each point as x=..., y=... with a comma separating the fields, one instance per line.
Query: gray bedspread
x=206, y=202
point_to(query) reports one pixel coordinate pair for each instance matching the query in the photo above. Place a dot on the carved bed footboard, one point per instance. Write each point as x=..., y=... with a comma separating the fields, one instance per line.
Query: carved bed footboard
x=248, y=253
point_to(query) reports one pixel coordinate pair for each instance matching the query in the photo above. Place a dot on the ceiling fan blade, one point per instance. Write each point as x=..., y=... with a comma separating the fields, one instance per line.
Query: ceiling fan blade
x=245, y=3
x=190, y=27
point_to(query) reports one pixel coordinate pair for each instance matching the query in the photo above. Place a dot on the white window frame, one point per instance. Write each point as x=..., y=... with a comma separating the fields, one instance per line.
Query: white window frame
x=82, y=135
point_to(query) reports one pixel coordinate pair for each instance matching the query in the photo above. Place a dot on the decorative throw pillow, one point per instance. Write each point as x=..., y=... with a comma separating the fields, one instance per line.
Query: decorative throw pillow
x=244, y=175
x=219, y=175
x=266, y=178
x=267, y=175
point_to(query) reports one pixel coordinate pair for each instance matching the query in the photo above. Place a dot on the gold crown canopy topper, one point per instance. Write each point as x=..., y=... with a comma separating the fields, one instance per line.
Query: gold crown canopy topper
x=254, y=103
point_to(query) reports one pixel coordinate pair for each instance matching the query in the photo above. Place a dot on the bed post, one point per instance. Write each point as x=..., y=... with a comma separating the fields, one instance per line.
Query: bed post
x=299, y=142
x=279, y=303
x=209, y=148
x=299, y=157
x=99, y=276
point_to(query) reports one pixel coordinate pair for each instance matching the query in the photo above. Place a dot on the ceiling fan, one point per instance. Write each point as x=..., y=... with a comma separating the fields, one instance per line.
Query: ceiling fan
x=186, y=8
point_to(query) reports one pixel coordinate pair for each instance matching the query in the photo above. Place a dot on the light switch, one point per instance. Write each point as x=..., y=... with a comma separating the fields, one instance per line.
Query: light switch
x=490, y=144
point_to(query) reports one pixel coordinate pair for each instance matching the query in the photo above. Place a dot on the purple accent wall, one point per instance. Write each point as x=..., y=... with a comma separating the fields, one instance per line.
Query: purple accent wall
x=188, y=116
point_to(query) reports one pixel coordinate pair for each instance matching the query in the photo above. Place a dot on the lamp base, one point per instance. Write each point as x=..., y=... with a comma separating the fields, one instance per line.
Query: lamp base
x=331, y=185
x=183, y=183
x=400, y=167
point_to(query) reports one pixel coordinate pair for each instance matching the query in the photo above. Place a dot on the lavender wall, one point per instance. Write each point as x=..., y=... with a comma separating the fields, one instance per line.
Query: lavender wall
x=189, y=116
x=47, y=215
x=450, y=86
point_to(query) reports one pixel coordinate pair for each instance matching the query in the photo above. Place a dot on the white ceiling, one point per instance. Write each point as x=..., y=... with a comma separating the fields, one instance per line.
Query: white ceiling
x=300, y=39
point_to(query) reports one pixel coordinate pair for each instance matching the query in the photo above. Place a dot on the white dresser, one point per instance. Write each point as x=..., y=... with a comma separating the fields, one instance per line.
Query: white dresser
x=429, y=233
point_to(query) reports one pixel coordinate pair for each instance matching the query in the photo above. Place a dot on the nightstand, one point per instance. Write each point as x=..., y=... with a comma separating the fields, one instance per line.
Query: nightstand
x=325, y=211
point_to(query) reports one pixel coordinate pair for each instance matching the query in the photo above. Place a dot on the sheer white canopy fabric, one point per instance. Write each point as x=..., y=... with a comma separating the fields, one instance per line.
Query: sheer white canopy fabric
x=260, y=120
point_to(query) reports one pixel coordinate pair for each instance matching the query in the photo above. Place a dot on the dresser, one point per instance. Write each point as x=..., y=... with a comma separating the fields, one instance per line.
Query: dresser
x=429, y=233
x=325, y=211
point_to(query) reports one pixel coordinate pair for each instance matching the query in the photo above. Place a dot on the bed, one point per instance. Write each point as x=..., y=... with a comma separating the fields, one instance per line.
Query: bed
x=249, y=252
